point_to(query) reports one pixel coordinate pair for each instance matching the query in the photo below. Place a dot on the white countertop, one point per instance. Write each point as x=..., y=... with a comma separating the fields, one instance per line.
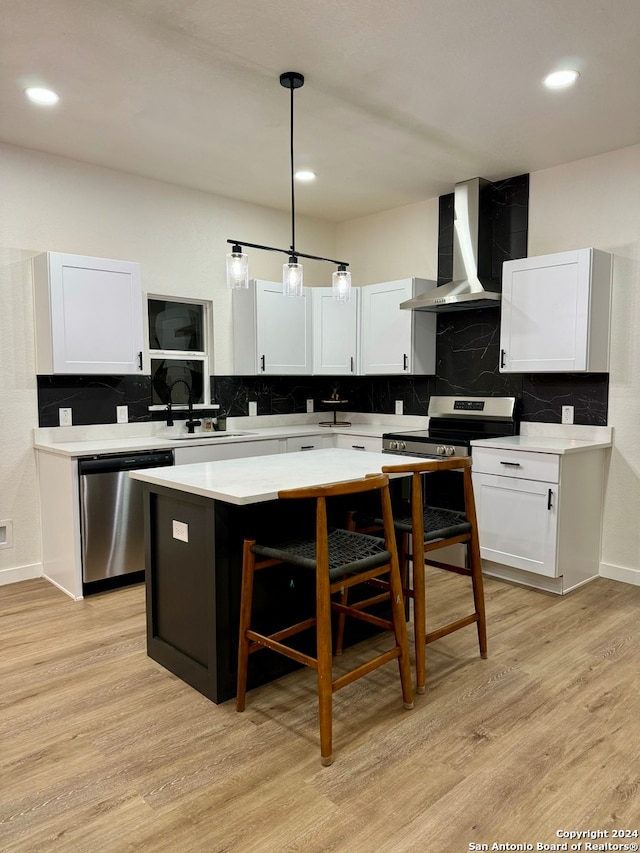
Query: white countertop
x=83, y=442
x=542, y=444
x=260, y=478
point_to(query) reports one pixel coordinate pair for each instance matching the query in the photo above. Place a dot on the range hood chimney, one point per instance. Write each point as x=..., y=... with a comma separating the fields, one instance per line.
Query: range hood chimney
x=472, y=286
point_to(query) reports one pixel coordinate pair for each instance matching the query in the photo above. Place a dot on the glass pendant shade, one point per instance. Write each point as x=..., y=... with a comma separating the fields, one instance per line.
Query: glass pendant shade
x=237, y=268
x=292, y=278
x=341, y=285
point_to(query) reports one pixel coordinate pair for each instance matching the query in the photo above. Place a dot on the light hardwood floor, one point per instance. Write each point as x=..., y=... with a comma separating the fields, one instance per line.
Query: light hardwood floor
x=101, y=749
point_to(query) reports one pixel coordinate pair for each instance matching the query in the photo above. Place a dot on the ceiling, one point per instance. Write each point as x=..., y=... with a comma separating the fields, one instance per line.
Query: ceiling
x=401, y=100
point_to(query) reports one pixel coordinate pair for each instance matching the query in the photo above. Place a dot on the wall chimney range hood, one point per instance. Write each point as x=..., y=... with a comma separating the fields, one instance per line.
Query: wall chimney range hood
x=472, y=286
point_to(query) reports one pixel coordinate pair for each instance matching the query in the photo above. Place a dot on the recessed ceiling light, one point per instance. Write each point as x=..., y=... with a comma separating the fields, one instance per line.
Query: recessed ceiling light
x=561, y=79
x=305, y=176
x=44, y=97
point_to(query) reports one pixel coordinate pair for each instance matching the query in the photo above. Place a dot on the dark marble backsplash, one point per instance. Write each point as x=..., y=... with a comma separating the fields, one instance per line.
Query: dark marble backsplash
x=467, y=353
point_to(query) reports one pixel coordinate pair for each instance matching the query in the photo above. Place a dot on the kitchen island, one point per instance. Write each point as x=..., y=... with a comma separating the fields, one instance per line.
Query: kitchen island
x=196, y=517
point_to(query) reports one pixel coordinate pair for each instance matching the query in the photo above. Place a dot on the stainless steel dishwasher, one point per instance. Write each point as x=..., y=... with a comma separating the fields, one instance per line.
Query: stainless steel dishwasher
x=111, y=517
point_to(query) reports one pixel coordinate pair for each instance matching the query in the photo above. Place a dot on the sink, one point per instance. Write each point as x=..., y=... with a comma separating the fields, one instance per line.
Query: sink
x=209, y=436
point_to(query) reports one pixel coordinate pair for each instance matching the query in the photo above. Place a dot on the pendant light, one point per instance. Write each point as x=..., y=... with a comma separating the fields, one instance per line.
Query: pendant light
x=292, y=271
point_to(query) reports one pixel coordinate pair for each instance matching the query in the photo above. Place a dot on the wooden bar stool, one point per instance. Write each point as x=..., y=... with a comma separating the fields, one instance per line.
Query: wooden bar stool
x=432, y=528
x=340, y=559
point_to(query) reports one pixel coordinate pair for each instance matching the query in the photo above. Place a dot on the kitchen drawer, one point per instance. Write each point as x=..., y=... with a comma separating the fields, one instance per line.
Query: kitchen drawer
x=308, y=442
x=517, y=463
x=359, y=442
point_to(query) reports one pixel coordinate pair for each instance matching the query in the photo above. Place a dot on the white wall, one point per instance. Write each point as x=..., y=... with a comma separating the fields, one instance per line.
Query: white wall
x=179, y=238
x=596, y=202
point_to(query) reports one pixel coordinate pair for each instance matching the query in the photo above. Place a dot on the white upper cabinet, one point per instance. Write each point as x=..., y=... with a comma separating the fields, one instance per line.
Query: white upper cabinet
x=335, y=333
x=88, y=315
x=396, y=341
x=271, y=332
x=556, y=313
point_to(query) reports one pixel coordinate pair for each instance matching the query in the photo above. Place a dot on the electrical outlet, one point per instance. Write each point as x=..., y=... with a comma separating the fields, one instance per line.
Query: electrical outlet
x=180, y=531
x=399, y=407
x=64, y=417
x=122, y=414
x=309, y=406
x=567, y=414
x=253, y=409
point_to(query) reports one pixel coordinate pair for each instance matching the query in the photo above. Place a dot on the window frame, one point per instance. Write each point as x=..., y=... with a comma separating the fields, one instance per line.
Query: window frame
x=204, y=356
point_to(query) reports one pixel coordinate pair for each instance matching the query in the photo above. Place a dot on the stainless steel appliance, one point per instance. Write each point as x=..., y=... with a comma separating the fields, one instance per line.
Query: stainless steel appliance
x=111, y=517
x=472, y=285
x=453, y=423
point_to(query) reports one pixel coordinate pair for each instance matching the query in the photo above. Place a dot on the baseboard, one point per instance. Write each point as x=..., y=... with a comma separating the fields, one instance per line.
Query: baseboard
x=620, y=573
x=20, y=573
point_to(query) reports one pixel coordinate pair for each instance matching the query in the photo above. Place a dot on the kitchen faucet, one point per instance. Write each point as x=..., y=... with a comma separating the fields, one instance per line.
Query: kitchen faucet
x=191, y=423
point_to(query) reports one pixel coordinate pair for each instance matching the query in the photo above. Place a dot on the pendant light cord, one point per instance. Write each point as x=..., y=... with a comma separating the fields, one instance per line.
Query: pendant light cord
x=293, y=199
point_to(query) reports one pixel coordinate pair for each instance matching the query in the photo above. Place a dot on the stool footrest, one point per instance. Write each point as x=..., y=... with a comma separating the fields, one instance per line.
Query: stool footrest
x=261, y=641
x=451, y=627
x=365, y=668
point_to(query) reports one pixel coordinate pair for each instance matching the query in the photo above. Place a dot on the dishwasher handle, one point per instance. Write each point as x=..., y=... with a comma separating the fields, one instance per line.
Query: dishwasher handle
x=125, y=462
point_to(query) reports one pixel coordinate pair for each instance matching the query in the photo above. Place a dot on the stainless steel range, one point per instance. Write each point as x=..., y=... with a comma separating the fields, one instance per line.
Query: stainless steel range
x=453, y=423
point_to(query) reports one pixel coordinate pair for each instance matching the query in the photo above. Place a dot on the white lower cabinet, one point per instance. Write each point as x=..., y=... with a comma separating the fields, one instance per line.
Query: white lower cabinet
x=539, y=515
x=216, y=452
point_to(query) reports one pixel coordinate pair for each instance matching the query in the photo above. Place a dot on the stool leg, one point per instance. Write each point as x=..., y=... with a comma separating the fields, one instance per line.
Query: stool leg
x=419, y=617
x=324, y=653
x=344, y=597
x=477, y=584
x=400, y=630
x=246, y=598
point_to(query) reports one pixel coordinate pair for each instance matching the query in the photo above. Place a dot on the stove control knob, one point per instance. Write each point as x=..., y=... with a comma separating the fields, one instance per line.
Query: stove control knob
x=402, y=445
x=441, y=450
x=449, y=451
x=393, y=445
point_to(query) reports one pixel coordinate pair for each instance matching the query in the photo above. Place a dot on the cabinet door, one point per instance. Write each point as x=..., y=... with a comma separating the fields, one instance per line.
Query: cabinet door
x=518, y=522
x=334, y=333
x=95, y=314
x=386, y=329
x=545, y=313
x=283, y=330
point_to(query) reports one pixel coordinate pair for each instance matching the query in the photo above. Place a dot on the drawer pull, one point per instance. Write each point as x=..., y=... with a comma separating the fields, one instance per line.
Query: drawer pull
x=549, y=496
x=307, y=446
x=358, y=446
x=512, y=464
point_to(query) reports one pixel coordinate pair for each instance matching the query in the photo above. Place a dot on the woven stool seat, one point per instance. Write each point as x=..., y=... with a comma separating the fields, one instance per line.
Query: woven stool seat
x=349, y=553
x=438, y=523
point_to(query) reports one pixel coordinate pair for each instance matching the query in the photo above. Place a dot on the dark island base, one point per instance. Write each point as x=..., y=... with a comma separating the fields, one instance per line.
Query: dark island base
x=193, y=588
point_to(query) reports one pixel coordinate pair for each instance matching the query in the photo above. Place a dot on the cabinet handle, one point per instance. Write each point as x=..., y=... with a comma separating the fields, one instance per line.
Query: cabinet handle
x=140, y=360
x=549, y=495
x=511, y=464
x=307, y=446
x=502, y=355
x=262, y=363
x=351, y=364
x=358, y=446
x=406, y=361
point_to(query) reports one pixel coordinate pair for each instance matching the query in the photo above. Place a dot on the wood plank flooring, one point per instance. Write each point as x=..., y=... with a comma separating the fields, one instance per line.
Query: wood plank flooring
x=101, y=749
